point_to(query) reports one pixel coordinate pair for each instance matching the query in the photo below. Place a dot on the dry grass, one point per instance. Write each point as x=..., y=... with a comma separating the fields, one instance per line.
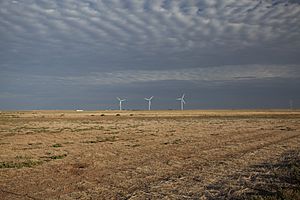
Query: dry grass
x=274, y=179
x=149, y=155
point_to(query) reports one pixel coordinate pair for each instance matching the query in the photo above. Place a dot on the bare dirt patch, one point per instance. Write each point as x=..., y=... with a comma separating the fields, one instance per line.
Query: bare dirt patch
x=149, y=155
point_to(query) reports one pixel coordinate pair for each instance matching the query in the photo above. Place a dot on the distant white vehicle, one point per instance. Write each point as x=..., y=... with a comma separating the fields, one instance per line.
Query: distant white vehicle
x=149, y=102
x=79, y=110
x=120, y=104
x=182, y=101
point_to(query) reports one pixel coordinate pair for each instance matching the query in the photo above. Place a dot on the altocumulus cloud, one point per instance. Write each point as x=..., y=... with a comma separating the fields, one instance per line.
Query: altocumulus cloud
x=111, y=32
x=113, y=42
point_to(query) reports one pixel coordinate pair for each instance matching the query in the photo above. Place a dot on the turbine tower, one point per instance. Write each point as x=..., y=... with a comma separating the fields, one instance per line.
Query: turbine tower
x=181, y=99
x=149, y=102
x=121, y=100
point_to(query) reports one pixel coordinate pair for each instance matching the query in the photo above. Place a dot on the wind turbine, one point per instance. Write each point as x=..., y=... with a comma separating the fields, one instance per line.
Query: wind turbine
x=181, y=99
x=149, y=102
x=121, y=100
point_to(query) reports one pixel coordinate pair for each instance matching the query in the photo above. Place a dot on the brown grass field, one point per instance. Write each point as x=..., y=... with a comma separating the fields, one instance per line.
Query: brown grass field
x=225, y=154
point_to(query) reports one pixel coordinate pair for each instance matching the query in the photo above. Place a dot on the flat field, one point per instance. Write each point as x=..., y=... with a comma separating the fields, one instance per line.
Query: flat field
x=149, y=154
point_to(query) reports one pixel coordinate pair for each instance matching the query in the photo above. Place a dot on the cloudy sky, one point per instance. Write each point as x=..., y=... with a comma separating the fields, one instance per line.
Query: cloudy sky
x=82, y=54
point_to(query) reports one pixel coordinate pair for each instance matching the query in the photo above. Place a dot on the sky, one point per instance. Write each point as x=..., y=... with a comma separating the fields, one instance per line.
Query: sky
x=82, y=54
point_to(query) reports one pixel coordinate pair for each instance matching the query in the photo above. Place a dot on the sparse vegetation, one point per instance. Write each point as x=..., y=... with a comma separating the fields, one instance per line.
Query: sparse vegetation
x=18, y=165
x=57, y=145
x=22, y=157
x=90, y=141
x=55, y=157
x=68, y=142
x=102, y=139
x=135, y=145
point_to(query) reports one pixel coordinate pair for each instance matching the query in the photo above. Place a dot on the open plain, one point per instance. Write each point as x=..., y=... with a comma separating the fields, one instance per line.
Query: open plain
x=148, y=154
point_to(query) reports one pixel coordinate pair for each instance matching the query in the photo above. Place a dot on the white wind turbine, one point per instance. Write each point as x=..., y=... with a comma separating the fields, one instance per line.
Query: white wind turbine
x=121, y=100
x=149, y=102
x=181, y=99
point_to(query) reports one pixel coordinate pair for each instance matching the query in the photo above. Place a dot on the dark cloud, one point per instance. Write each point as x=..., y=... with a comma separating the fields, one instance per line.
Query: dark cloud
x=69, y=44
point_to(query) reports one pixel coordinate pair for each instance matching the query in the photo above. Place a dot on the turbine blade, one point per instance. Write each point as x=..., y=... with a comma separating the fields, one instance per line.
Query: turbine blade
x=183, y=96
x=151, y=98
x=118, y=98
x=183, y=101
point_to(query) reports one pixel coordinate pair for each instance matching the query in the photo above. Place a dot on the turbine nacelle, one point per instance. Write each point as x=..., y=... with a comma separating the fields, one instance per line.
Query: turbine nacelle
x=121, y=99
x=149, y=99
x=181, y=98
